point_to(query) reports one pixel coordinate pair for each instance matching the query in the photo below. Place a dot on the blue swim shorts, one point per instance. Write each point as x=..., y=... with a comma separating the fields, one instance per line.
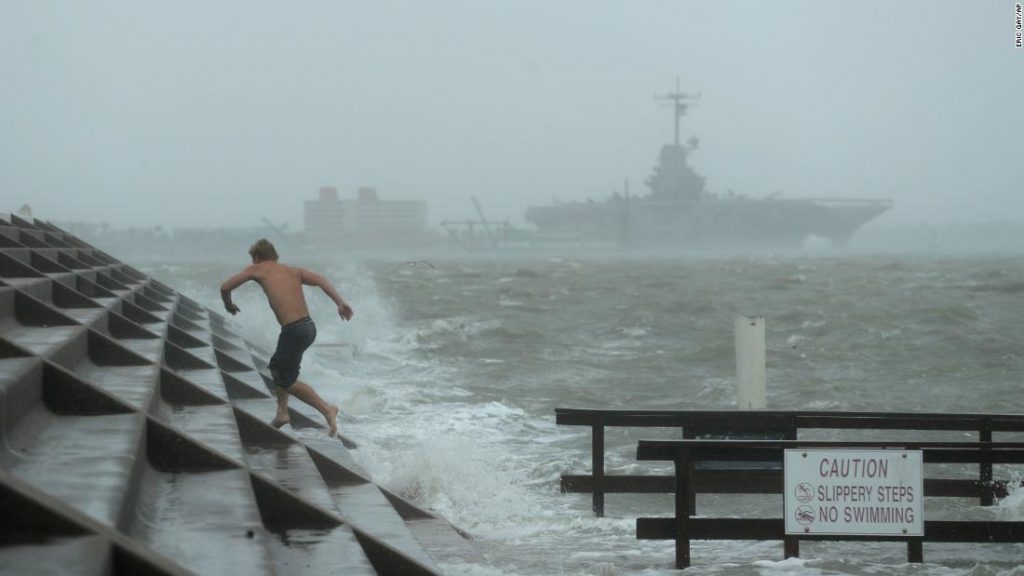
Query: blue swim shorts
x=294, y=339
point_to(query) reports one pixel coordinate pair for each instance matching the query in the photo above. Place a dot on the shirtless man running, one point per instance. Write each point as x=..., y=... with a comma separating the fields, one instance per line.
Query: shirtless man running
x=283, y=287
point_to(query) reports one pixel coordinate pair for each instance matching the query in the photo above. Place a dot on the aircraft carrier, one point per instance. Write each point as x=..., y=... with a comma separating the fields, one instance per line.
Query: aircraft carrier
x=681, y=214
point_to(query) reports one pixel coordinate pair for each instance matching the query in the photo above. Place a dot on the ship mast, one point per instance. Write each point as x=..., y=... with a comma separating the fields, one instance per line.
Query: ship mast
x=679, y=105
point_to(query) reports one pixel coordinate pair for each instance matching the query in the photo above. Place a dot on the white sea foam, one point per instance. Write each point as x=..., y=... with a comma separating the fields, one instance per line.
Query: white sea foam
x=890, y=334
x=462, y=569
x=442, y=331
x=448, y=462
x=787, y=567
x=1012, y=506
x=794, y=340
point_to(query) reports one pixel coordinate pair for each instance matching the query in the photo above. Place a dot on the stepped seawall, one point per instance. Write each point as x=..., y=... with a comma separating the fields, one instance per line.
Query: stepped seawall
x=134, y=438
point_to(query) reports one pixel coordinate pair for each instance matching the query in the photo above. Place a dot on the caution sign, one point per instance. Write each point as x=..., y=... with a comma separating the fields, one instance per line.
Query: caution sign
x=854, y=492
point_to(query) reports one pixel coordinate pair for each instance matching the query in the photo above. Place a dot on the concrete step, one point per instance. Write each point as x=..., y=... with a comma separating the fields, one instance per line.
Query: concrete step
x=84, y=461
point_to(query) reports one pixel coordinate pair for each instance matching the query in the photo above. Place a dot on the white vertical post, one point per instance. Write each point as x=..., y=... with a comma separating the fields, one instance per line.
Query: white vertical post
x=750, y=392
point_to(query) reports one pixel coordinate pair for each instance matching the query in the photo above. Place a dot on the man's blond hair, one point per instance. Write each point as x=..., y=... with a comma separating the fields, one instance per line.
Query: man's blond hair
x=263, y=250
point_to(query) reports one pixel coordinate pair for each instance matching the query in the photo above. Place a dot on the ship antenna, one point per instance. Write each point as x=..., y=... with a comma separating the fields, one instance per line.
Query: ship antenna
x=679, y=105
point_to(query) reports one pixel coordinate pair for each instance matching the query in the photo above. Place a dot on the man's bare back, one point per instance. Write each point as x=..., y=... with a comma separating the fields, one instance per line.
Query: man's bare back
x=282, y=285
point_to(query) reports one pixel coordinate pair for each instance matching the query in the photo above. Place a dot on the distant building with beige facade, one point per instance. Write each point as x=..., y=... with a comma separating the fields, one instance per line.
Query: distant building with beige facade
x=365, y=219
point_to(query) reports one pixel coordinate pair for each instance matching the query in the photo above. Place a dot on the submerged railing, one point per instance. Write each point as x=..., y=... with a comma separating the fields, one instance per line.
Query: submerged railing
x=783, y=425
x=740, y=452
x=687, y=454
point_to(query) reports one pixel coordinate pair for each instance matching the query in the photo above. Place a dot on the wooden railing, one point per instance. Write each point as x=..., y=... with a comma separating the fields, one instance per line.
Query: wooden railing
x=689, y=480
x=784, y=425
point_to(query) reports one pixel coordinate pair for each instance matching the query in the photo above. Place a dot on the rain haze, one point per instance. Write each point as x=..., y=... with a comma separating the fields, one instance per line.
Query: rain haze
x=839, y=233
x=221, y=114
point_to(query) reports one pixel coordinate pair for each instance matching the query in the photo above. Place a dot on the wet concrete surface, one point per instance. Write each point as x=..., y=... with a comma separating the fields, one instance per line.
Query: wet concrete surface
x=20, y=390
x=208, y=522
x=213, y=426
x=40, y=340
x=291, y=468
x=363, y=506
x=133, y=384
x=335, y=551
x=139, y=421
x=85, y=461
x=208, y=379
x=90, y=555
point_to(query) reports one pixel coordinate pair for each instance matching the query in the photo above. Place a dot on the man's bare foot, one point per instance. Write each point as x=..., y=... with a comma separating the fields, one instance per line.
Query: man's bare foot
x=332, y=420
x=279, y=421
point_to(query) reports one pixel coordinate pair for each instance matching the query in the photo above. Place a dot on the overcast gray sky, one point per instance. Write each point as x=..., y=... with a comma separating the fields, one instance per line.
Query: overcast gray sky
x=221, y=113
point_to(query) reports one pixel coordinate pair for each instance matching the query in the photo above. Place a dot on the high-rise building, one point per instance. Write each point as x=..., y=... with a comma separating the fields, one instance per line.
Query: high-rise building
x=365, y=218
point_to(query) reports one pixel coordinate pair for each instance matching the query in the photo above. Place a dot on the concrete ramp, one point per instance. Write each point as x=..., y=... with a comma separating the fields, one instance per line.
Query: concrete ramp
x=134, y=438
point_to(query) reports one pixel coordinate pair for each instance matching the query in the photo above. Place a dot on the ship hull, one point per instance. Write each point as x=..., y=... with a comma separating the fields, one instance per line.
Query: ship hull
x=729, y=223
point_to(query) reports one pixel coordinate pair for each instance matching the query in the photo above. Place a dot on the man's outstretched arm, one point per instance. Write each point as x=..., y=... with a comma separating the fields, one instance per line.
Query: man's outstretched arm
x=232, y=283
x=310, y=278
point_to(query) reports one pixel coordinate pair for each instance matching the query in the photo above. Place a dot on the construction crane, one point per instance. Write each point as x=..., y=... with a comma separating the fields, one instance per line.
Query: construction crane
x=280, y=230
x=483, y=221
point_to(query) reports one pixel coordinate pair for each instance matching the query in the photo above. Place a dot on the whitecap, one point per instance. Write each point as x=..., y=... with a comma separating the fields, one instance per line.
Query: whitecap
x=1011, y=507
x=795, y=566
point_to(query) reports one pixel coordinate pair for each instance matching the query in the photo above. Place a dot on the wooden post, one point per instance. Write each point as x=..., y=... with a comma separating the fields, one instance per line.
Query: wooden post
x=691, y=496
x=790, y=546
x=683, y=508
x=915, y=550
x=597, y=454
x=985, y=466
x=750, y=363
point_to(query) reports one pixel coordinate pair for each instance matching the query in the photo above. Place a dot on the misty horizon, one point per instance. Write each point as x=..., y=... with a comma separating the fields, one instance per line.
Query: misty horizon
x=206, y=116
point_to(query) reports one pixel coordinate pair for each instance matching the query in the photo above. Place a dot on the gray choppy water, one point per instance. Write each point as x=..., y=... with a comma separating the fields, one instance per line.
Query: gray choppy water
x=458, y=369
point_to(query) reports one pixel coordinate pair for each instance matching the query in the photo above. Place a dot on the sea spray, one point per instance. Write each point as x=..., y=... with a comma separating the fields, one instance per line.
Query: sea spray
x=467, y=483
x=1011, y=506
